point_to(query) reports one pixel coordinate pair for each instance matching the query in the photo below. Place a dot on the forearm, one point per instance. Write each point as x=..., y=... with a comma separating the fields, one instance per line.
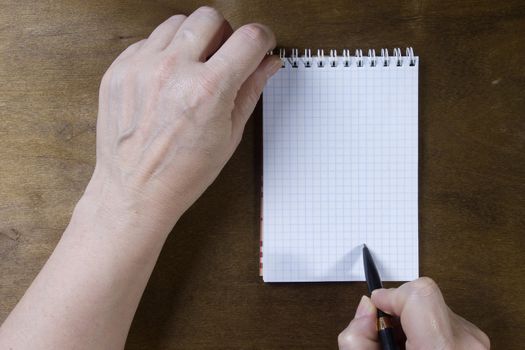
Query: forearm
x=172, y=109
x=88, y=291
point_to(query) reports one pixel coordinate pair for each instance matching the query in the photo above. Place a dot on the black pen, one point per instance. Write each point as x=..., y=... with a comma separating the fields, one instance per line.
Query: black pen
x=385, y=328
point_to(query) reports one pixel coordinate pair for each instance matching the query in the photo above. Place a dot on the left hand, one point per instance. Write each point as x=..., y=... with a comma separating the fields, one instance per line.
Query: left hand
x=172, y=110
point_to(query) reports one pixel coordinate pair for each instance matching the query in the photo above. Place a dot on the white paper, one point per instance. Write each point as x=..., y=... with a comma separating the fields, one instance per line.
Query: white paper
x=340, y=168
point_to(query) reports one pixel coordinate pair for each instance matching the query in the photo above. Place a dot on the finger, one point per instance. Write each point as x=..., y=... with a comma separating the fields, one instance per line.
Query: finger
x=420, y=304
x=423, y=291
x=203, y=29
x=220, y=38
x=164, y=33
x=242, y=53
x=361, y=333
x=250, y=92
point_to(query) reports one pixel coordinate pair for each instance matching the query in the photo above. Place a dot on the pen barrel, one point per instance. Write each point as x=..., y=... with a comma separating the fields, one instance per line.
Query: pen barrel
x=386, y=333
x=386, y=337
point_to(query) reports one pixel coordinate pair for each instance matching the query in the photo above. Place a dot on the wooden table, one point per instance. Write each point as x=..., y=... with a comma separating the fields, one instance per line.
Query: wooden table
x=205, y=292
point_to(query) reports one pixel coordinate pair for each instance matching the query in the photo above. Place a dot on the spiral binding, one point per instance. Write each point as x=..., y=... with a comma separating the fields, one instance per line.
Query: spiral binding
x=346, y=60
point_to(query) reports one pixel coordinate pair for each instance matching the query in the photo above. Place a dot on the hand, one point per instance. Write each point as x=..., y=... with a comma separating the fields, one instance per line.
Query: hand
x=426, y=320
x=172, y=110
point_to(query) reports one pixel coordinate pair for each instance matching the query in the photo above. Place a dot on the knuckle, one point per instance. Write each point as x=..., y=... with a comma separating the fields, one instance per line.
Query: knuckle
x=212, y=85
x=345, y=339
x=139, y=43
x=186, y=34
x=164, y=67
x=177, y=18
x=210, y=12
x=129, y=52
x=342, y=339
x=257, y=33
x=424, y=287
x=159, y=70
x=135, y=46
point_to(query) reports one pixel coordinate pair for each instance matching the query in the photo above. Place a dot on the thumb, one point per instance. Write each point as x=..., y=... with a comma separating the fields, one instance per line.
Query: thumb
x=425, y=317
x=250, y=91
x=361, y=333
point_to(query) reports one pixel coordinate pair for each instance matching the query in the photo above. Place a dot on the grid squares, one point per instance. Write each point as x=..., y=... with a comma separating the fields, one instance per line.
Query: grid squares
x=340, y=168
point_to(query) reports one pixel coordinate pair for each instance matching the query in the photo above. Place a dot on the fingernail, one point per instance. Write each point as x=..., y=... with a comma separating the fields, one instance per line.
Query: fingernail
x=273, y=67
x=365, y=307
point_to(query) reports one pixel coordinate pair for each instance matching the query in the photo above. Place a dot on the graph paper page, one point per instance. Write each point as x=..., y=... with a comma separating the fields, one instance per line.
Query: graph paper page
x=340, y=168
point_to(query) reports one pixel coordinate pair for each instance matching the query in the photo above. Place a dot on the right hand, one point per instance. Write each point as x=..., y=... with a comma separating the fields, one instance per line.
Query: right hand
x=427, y=321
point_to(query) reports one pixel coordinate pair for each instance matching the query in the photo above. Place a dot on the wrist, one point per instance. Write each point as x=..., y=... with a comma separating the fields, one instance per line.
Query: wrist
x=112, y=206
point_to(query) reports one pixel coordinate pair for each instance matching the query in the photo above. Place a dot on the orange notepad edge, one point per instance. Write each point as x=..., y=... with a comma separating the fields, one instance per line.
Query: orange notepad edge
x=261, y=231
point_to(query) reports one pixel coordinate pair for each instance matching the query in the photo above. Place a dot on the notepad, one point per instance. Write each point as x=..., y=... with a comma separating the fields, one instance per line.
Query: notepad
x=340, y=167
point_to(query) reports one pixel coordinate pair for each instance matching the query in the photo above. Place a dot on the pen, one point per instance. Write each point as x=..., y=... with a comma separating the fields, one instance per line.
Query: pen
x=385, y=328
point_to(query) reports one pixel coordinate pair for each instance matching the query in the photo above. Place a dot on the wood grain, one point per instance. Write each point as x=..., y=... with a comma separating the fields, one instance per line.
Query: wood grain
x=205, y=292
